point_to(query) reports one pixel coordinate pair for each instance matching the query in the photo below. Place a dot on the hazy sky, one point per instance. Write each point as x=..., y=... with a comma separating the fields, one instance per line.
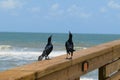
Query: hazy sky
x=78, y=16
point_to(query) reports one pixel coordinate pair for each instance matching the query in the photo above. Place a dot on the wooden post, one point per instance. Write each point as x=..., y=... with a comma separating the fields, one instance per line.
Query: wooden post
x=77, y=79
x=102, y=73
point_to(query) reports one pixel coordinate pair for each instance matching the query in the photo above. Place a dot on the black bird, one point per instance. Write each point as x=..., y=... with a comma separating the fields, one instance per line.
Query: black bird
x=47, y=50
x=69, y=46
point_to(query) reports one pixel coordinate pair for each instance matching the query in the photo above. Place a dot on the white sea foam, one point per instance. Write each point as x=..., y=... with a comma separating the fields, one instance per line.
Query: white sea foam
x=26, y=55
x=5, y=47
x=15, y=53
x=80, y=48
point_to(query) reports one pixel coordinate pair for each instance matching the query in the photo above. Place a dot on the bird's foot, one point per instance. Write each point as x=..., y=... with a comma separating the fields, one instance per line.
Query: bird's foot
x=47, y=58
x=40, y=58
x=68, y=58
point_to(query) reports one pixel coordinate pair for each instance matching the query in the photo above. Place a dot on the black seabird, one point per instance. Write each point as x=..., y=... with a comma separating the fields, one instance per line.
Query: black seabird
x=69, y=46
x=47, y=50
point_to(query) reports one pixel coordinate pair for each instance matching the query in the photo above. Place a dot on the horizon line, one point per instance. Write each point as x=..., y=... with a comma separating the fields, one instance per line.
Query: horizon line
x=54, y=32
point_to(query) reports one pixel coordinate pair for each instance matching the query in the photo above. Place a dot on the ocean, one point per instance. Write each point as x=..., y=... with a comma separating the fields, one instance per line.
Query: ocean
x=18, y=49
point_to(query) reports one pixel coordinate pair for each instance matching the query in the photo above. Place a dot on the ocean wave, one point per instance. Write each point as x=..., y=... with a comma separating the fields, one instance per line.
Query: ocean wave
x=80, y=48
x=5, y=47
x=19, y=49
x=26, y=55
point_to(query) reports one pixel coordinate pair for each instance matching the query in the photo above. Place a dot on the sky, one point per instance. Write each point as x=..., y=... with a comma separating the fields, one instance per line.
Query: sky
x=60, y=16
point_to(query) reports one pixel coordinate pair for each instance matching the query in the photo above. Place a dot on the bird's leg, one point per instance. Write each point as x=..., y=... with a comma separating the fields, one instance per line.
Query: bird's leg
x=67, y=56
x=48, y=58
x=71, y=55
x=45, y=57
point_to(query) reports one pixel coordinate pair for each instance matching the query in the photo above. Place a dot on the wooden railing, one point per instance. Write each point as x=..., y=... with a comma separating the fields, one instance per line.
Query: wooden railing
x=104, y=57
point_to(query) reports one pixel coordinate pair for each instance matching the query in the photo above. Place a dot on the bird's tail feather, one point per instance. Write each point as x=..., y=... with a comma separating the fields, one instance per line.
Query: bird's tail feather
x=40, y=58
x=73, y=50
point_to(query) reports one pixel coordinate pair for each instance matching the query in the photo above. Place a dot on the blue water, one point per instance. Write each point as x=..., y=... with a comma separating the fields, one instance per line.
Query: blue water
x=23, y=48
x=37, y=41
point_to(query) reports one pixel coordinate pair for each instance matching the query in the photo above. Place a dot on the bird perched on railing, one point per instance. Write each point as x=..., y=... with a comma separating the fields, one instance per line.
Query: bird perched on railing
x=69, y=46
x=47, y=50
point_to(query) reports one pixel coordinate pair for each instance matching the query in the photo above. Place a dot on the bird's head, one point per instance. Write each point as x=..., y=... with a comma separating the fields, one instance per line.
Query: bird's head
x=49, y=39
x=70, y=34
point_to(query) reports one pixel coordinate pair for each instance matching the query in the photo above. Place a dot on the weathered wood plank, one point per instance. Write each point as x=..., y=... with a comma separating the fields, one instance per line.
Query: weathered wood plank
x=116, y=76
x=17, y=75
x=112, y=67
x=69, y=73
x=116, y=52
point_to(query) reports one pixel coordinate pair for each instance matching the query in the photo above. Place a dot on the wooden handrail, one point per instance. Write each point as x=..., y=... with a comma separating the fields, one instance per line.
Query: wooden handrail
x=59, y=68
